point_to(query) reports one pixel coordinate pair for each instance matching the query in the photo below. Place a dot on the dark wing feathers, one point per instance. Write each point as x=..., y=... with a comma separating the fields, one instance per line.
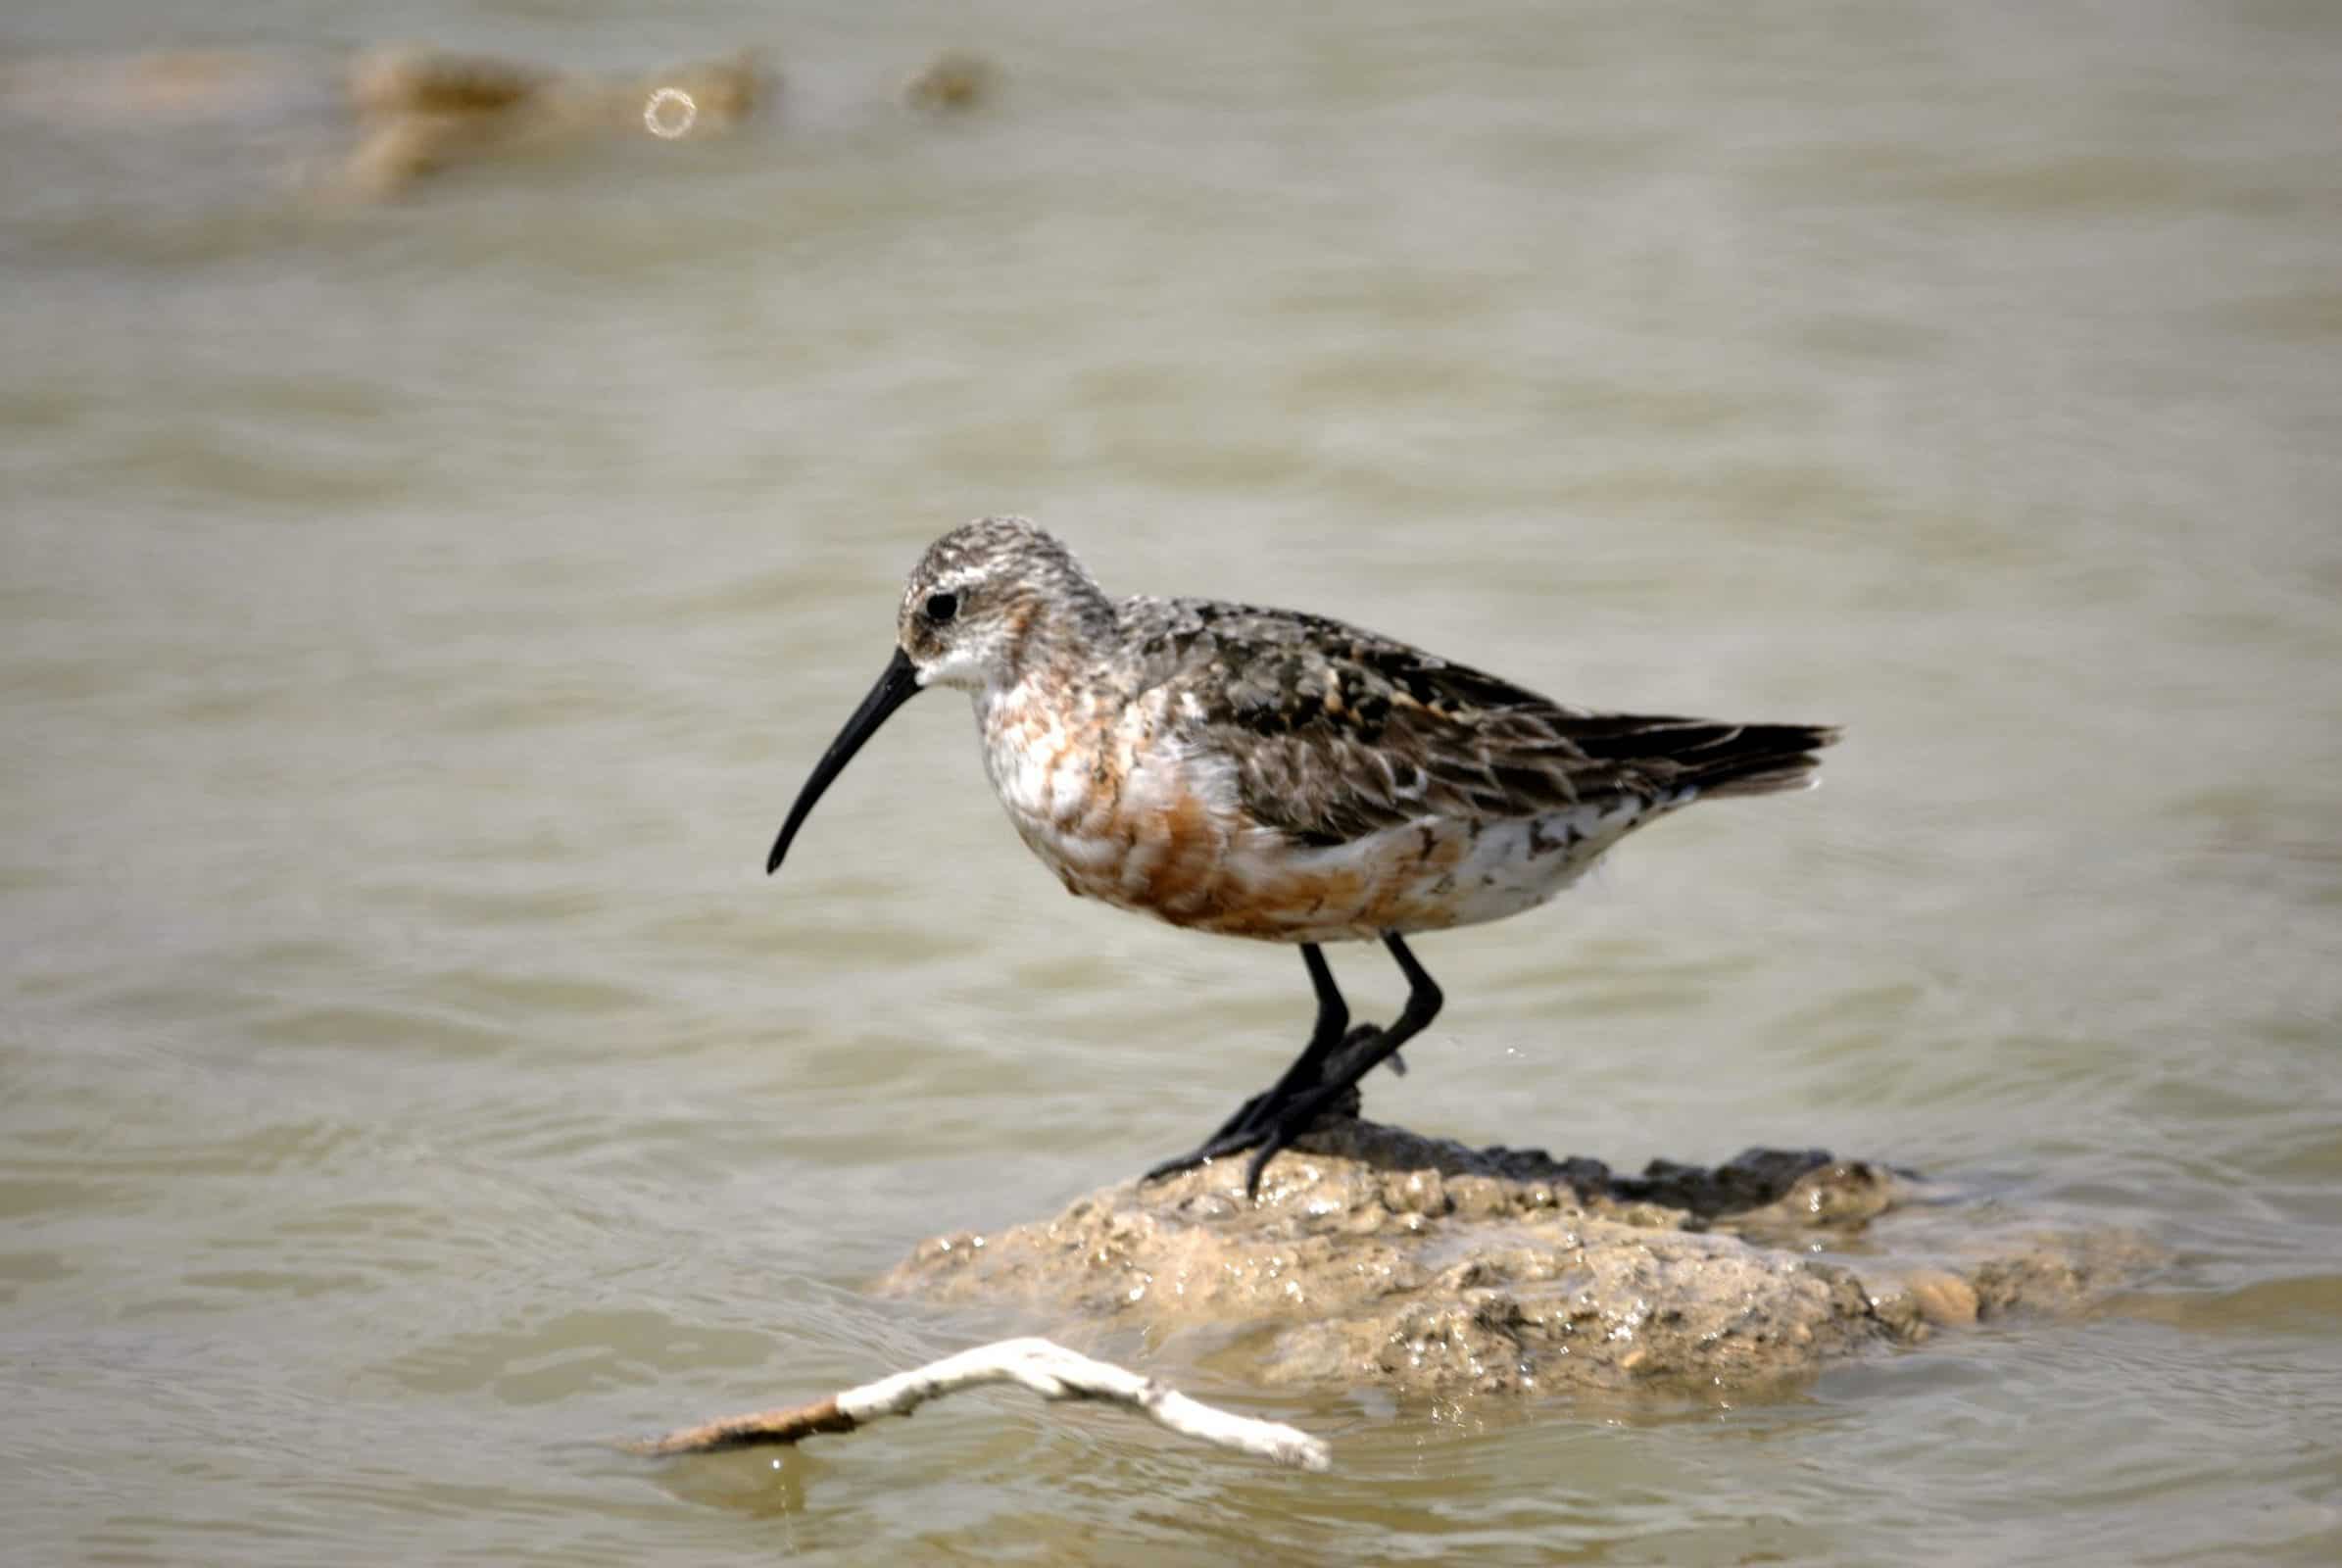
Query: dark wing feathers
x=1337, y=732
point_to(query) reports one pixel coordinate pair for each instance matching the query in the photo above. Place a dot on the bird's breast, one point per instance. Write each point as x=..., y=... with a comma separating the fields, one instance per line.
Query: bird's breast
x=1123, y=812
x=1114, y=812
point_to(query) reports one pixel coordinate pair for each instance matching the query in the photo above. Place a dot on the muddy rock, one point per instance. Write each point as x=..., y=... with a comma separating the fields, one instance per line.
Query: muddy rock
x=1378, y=1257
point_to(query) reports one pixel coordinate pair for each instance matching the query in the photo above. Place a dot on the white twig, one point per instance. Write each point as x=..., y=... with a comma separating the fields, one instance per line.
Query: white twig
x=1048, y=1369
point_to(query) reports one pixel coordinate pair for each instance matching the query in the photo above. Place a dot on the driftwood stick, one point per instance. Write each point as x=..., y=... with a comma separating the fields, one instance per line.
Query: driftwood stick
x=1047, y=1369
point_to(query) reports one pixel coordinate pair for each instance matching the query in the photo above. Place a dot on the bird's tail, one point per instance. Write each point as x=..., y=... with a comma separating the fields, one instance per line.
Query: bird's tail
x=1753, y=759
x=1703, y=757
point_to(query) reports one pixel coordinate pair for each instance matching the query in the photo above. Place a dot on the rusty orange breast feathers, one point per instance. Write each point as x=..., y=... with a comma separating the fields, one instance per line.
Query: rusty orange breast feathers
x=1133, y=816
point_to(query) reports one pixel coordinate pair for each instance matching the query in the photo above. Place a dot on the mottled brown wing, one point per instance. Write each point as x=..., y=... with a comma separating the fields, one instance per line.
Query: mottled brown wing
x=1337, y=732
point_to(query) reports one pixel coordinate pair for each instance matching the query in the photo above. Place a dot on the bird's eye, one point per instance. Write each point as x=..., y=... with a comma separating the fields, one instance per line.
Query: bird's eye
x=940, y=608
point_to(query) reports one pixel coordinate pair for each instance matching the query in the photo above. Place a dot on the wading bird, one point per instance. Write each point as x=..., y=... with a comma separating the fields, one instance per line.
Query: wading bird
x=1270, y=774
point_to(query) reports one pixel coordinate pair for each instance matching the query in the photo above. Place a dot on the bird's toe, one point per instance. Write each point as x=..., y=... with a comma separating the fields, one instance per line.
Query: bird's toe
x=1217, y=1147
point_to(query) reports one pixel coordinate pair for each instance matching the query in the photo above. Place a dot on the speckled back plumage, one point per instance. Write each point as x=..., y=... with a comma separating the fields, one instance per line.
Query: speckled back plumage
x=1338, y=732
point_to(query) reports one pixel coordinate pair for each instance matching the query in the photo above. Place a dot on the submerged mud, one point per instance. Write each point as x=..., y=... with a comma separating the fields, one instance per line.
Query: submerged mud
x=1376, y=1258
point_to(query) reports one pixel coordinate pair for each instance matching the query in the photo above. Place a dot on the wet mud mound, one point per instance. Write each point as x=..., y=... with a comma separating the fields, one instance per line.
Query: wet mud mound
x=1375, y=1258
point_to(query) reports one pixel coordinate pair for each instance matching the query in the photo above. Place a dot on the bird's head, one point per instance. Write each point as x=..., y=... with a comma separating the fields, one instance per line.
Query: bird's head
x=988, y=604
x=993, y=600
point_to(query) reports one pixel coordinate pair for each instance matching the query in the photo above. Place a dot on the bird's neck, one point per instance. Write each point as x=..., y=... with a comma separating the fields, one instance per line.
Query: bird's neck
x=1058, y=640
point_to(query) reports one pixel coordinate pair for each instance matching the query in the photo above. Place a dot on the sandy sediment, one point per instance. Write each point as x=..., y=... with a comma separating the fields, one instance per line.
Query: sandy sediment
x=1375, y=1258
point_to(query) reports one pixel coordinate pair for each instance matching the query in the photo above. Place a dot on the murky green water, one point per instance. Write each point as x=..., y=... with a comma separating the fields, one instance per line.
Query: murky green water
x=416, y=618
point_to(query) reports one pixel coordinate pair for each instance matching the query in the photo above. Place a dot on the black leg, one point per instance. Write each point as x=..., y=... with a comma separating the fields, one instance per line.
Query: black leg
x=1326, y=1071
x=1326, y=1037
x=1292, y=1119
x=1329, y=1032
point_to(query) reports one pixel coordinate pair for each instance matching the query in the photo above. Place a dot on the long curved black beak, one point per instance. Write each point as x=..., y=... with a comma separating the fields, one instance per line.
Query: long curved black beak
x=897, y=686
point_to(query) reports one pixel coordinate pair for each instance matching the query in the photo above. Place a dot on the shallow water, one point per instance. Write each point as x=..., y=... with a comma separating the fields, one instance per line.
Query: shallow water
x=416, y=618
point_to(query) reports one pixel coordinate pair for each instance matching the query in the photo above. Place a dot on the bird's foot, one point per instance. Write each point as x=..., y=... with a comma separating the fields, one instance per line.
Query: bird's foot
x=1299, y=1115
x=1218, y=1147
x=1252, y=1112
x=1273, y=1118
x=1255, y=1112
